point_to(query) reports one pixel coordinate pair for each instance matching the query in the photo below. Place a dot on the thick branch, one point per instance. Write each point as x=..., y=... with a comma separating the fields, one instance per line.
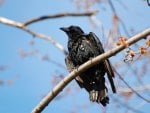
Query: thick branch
x=26, y=29
x=60, y=86
x=33, y=20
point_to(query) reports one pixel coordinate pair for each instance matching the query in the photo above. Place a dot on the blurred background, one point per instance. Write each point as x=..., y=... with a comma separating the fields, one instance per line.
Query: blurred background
x=30, y=67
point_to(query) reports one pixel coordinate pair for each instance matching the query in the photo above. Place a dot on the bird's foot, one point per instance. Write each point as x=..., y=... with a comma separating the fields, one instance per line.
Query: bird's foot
x=76, y=67
x=93, y=95
x=103, y=97
x=99, y=97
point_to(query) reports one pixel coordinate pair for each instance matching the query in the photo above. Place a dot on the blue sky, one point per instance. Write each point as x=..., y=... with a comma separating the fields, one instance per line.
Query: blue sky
x=32, y=76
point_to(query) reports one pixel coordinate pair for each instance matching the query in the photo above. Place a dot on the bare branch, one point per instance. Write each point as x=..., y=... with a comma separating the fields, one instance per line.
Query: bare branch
x=132, y=88
x=112, y=6
x=60, y=86
x=10, y=22
x=148, y=2
x=26, y=29
x=137, y=89
x=126, y=105
x=33, y=20
x=120, y=20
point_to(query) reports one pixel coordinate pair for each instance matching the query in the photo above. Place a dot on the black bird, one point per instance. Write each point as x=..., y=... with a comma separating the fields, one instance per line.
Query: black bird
x=83, y=47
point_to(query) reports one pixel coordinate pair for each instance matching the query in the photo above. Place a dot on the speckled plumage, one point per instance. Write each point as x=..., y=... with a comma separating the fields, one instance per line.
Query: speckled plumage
x=82, y=47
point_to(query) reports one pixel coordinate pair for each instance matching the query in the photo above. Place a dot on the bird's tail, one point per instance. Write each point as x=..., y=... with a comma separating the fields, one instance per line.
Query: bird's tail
x=99, y=96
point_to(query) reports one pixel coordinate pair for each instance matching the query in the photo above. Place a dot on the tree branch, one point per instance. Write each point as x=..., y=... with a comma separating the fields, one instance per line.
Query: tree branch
x=33, y=20
x=23, y=26
x=125, y=105
x=120, y=20
x=26, y=29
x=137, y=89
x=132, y=88
x=60, y=86
x=148, y=2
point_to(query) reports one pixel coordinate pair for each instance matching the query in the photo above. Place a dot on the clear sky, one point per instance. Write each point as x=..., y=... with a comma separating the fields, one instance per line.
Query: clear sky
x=28, y=79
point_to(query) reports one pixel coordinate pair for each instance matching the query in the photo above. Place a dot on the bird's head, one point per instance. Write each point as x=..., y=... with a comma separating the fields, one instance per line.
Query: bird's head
x=72, y=31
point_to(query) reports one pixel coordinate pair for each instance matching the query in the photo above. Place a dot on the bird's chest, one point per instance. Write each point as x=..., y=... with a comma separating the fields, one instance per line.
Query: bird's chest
x=81, y=51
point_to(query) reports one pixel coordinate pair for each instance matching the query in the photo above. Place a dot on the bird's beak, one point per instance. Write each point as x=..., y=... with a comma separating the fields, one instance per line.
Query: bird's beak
x=64, y=29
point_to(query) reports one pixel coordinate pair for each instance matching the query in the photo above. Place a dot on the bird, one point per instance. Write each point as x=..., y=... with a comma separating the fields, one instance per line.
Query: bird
x=81, y=48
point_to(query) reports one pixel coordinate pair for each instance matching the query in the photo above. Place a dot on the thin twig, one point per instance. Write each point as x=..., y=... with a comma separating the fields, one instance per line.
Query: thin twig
x=26, y=29
x=140, y=88
x=126, y=105
x=60, y=86
x=148, y=2
x=112, y=6
x=120, y=20
x=33, y=20
x=140, y=96
x=124, y=27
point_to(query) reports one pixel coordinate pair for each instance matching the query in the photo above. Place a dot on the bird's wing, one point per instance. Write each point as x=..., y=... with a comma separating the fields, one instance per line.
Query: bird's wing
x=70, y=68
x=110, y=74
